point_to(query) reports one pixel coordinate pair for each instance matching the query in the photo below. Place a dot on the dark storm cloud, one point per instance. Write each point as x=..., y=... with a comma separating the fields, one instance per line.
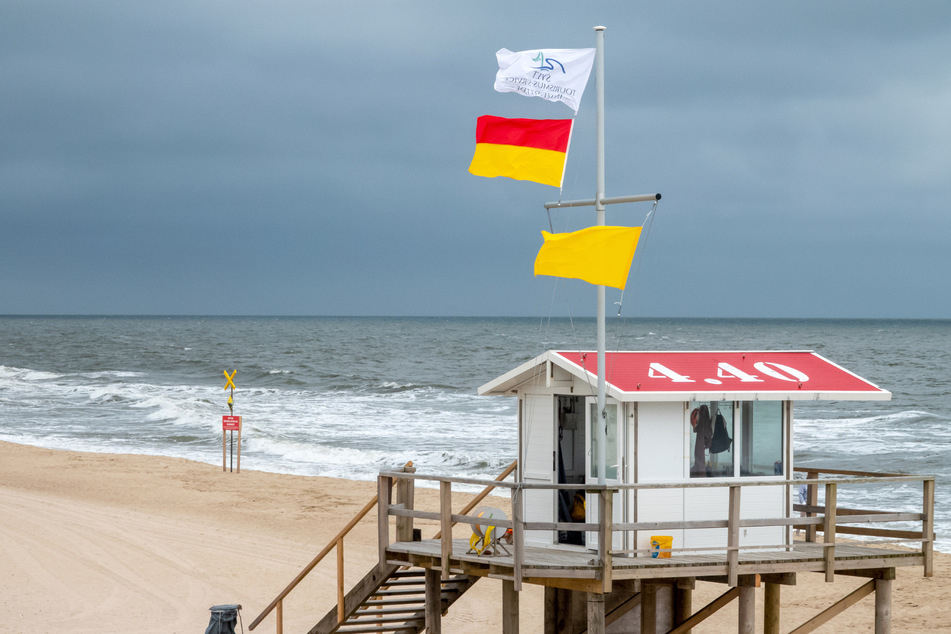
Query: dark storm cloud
x=310, y=158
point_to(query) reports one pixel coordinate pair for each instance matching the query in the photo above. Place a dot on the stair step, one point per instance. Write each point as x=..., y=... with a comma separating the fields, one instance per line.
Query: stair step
x=397, y=592
x=404, y=582
x=408, y=626
x=367, y=619
x=409, y=608
x=408, y=573
x=394, y=601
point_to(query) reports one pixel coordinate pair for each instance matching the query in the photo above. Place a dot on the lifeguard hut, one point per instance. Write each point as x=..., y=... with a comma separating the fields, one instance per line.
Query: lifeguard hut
x=670, y=417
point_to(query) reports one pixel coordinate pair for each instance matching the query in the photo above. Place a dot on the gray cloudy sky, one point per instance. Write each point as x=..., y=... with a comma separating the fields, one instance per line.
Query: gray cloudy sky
x=310, y=158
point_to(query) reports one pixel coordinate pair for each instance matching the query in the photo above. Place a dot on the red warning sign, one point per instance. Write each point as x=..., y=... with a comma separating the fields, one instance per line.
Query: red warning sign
x=231, y=423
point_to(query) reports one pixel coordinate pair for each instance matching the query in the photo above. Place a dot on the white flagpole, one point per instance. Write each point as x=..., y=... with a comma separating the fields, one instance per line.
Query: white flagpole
x=599, y=207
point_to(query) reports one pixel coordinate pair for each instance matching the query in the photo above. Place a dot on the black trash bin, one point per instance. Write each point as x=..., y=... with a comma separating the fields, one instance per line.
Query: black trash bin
x=223, y=619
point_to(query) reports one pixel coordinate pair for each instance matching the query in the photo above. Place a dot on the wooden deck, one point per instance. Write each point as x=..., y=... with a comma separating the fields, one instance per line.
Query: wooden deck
x=541, y=564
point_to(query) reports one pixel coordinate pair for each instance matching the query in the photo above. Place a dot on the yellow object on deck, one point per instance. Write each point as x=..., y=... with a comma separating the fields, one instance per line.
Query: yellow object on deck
x=660, y=543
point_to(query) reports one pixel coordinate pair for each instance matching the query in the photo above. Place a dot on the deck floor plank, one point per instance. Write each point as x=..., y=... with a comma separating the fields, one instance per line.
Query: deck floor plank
x=801, y=557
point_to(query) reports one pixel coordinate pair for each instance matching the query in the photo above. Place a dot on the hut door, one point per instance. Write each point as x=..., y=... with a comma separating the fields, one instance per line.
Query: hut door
x=612, y=470
x=571, y=465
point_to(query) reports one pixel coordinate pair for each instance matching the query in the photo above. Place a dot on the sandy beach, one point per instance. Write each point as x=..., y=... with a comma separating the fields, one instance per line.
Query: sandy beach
x=109, y=543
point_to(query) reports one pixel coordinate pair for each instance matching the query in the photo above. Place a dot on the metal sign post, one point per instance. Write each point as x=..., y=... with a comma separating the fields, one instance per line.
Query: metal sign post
x=230, y=423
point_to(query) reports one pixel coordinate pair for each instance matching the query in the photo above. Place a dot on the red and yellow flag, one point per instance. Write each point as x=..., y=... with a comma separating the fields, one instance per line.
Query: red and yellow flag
x=598, y=255
x=523, y=149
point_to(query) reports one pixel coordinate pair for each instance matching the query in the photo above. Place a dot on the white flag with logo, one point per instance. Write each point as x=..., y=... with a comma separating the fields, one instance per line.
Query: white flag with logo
x=555, y=74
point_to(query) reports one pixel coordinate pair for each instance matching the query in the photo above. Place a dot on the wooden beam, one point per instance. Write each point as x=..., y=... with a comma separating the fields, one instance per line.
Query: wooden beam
x=880, y=532
x=781, y=578
x=518, y=535
x=384, y=491
x=927, y=526
x=404, y=498
x=733, y=535
x=445, y=513
x=509, y=608
x=883, y=606
x=591, y=586
x=771, y=608
x=683, y=600
x=596, y=614
x=812, y=496
x=340, y=593
x=746, y=610
x=433, y=601
x=649, y=607
x=551, y=610
x=836, y=608
x=828, y=532
x=875, y=573
x=606, y=537
x=706, y=611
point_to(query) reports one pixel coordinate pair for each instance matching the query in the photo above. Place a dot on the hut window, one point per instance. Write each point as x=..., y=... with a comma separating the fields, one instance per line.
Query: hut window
x=711, y=439
x=761, y=438
x=611, y=468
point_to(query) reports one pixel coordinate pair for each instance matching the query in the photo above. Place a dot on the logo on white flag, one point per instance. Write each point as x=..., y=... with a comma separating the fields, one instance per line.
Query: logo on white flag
x=554, y=74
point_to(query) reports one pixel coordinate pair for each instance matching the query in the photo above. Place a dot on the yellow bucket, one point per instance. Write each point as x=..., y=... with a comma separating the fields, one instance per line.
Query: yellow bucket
x=658, y=542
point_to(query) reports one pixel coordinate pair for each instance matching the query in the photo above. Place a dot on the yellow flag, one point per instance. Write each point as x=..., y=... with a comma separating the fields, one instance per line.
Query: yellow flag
x=598, y=255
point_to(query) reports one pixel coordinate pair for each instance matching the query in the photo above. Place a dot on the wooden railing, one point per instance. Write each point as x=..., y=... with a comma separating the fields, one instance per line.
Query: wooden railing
x=827, y=518
x=842, y=517
x=404, y=497
x=336, y=542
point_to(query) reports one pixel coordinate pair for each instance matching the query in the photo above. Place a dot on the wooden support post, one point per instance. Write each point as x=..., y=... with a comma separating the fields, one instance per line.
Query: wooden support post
x=445, y=525
x=812, y=499
x=509, y=607
x=606, y=537
x=518, y=534
x=771, y=608
x=279, y=617
x=551, y=610
x=746, y=609
x=683, y=600
x=927, y=527
x=648, y=607
x=883, y=605
x=341, y=614
x=596, y=613
x=828, y=532
x=664, y=607
x=384, y=491
x=433, y=601
x=404, y=497
x=733, y=536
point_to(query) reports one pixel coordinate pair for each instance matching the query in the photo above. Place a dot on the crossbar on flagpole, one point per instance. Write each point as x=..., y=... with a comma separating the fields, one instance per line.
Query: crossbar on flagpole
x=591, y=202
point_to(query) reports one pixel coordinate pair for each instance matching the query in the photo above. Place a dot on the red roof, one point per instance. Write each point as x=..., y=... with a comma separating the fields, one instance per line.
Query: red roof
x=700, y=375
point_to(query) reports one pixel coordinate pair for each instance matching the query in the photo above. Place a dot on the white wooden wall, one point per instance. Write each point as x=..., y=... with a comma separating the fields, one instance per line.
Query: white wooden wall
x=661, y=458
x=537, y=447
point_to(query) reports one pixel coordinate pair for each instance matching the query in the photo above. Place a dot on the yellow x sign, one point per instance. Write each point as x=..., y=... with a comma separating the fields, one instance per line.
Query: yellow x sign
x=230, y=382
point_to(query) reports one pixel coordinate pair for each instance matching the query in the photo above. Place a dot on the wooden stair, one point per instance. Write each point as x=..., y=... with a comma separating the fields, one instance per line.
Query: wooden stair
x=390, y=599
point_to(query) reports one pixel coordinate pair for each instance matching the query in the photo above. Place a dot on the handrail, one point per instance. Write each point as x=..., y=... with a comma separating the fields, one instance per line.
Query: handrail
x=823, y=518
x=683, y=484
x=316, y=560
x=485, y=492
x=337, y=541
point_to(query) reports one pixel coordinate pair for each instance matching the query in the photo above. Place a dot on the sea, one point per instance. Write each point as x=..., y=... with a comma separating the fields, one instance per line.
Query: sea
x=345, y=397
